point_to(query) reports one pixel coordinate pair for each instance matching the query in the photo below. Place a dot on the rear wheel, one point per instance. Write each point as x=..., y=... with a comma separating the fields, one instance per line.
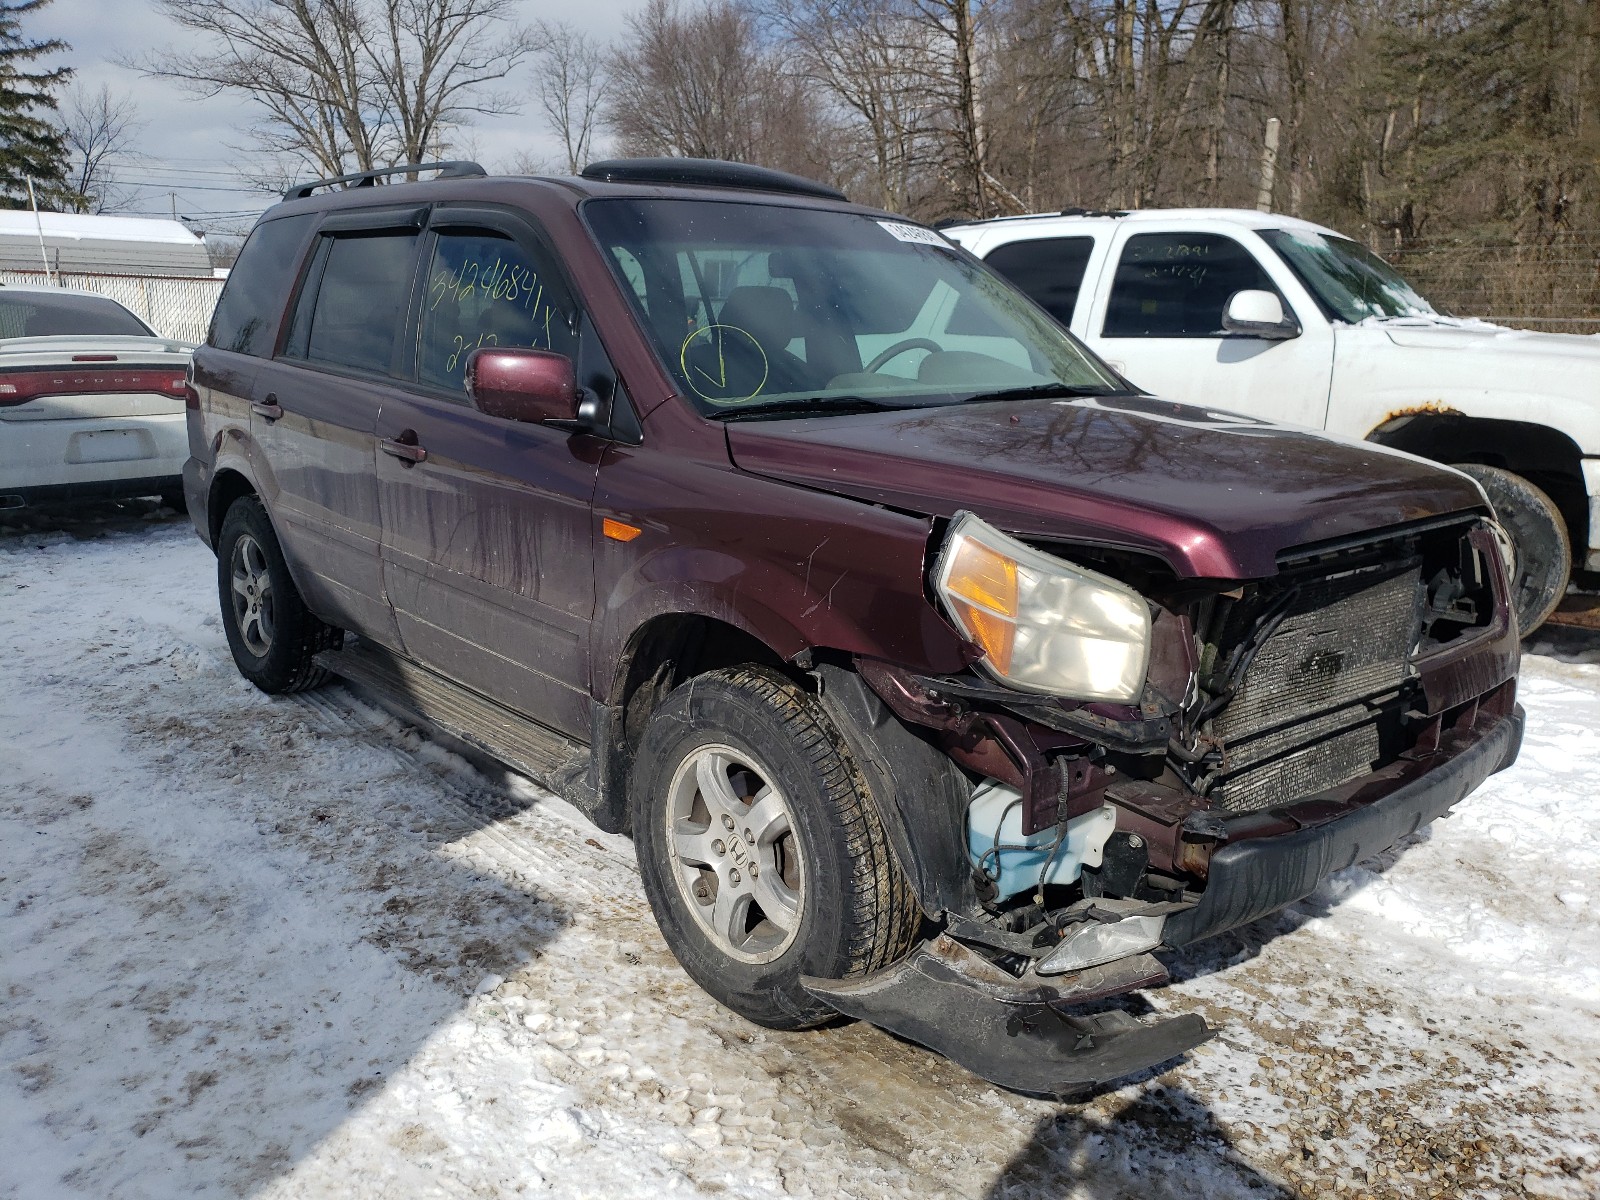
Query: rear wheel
x=1539, y=538
x=762, y=858
x=274, y=638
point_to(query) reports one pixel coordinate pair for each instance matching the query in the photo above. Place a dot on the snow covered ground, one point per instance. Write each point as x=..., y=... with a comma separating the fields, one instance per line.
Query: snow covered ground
x=287, y=948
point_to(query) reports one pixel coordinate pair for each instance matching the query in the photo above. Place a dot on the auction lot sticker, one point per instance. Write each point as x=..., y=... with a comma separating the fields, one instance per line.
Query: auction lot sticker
x=914, y=233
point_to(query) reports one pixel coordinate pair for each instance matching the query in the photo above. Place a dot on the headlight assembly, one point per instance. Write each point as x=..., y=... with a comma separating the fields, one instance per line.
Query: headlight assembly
x=1043, y=624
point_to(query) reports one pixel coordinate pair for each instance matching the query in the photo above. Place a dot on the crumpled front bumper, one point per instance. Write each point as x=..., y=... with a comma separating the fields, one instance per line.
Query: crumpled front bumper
x=1249, y=879
x=1036, y=1034
x=1029, y=1035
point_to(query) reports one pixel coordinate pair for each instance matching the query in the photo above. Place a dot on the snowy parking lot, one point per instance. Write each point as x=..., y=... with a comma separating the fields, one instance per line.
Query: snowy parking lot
x=287, y=947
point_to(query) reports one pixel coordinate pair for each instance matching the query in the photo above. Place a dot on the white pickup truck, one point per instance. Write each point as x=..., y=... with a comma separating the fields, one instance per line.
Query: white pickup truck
x=1282, y=319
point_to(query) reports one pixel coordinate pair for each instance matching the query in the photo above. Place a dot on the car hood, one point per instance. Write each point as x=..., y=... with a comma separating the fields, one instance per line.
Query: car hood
x=1216, y=495
x=1482, y=337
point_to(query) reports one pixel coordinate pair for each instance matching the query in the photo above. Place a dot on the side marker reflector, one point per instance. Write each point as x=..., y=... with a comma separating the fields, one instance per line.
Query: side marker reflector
x=619, y=531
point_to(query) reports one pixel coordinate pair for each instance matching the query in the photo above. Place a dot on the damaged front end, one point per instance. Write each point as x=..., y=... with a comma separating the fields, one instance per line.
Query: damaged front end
x=1279, y=730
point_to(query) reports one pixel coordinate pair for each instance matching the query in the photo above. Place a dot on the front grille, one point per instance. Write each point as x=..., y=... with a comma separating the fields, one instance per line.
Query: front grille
x=1316, y=701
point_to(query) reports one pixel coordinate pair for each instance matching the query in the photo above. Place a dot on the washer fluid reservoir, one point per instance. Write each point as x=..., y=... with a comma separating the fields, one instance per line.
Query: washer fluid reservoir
x=995, y=815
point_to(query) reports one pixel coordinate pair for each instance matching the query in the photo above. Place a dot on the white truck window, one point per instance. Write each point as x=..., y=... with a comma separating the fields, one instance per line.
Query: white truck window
x=1176, y=285
x=1050, y=270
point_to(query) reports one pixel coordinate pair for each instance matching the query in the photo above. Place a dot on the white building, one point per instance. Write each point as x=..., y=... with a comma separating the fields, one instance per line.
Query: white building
x=75, y=244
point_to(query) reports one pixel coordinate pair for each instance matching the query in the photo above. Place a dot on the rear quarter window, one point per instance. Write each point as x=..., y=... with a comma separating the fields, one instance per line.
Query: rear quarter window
x=246, y=319
x=1050, y=270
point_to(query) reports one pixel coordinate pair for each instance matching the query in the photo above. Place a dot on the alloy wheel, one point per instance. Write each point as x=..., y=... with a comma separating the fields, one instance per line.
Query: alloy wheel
x=736, y=858
x=252, y=595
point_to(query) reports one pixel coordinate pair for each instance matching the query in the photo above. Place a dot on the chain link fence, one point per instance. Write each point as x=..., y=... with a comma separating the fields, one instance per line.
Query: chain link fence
x=174, y=306
x=1554, y=288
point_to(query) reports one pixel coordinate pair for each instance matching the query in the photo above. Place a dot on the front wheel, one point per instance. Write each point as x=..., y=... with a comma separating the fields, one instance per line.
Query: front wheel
x=762, y=858
x=1539, y=538
x=274, y=637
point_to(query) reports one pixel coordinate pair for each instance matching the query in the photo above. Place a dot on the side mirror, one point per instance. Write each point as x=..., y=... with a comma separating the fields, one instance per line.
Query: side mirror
x=1259, y=314
x=518, y=384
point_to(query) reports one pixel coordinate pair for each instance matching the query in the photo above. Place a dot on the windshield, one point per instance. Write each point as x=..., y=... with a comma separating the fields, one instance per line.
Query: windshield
x=1350, y=282
x=34, y=314
x=764, y=307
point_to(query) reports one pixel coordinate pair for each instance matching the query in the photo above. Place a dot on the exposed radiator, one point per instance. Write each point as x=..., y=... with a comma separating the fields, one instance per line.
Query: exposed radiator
x=1310, y=712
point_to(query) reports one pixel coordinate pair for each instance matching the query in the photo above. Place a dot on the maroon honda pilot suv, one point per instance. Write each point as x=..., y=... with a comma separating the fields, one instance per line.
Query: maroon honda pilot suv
x=942, y=678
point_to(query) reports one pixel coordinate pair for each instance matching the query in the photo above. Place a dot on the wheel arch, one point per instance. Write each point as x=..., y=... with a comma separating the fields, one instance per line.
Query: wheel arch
x=1545, y=457
x=227, y=485
x=917, y=792
x=662, y=652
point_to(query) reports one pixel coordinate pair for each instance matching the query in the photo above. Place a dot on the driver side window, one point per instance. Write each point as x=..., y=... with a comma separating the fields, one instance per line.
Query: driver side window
x=484, y=289
x=1176, y=285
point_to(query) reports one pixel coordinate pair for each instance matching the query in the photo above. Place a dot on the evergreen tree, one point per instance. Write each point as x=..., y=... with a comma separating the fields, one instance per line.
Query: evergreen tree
x=30, y=144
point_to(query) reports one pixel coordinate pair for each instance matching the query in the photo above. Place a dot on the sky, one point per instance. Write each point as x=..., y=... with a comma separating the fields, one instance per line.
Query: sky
x=186, y=157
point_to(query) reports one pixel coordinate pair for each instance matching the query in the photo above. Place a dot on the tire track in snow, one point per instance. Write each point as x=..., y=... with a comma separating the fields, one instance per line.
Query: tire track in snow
x=521, y=834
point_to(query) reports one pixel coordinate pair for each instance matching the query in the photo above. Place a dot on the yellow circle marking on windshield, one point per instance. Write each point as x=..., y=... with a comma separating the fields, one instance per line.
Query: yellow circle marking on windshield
x=716, y=338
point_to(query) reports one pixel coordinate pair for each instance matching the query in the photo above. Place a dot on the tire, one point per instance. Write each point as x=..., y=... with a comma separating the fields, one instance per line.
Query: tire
x=274, y=638
x=1538, y=534
x=841, y=906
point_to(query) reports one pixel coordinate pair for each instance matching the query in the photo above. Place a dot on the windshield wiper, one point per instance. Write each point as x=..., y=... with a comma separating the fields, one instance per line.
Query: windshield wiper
x=1039, y=391
x=816, y=405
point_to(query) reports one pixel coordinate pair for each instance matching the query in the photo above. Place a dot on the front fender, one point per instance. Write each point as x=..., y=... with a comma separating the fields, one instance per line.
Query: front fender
x=794, y=568
x=1552, y=380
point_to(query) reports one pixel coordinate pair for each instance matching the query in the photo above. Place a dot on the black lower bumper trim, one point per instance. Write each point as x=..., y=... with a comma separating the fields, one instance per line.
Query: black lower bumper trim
x=1027, y=1047
x=1252, y=878
x=100, y=489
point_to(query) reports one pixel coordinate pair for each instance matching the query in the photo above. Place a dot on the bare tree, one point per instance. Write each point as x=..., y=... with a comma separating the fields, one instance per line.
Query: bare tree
x=859, y=54
x=97, y=127
x=572, y=79
x=344, y=85
x=700, y=83
x=433, y=62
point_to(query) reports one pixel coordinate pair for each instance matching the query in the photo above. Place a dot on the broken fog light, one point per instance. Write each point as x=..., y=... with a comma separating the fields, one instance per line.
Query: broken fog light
x=1094, y=944
x=1043, y=624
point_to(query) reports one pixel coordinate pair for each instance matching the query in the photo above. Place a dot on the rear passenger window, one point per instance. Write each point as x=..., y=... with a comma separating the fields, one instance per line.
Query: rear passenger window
x=354, y=318
x=1178, y=284
x=483, y=289
x=1049, y=270
x=246, y=319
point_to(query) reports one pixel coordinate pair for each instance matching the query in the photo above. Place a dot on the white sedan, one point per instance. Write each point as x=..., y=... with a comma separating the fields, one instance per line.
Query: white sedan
x=91, y=400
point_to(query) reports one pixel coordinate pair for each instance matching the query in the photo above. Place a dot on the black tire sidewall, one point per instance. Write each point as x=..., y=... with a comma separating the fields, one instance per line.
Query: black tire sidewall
x=1539, y=534
x=280, y=669
x=705, y=711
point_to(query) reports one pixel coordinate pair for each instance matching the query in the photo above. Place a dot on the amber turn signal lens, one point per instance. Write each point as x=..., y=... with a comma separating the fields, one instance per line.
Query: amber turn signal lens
x=982, y=582
x=995, y=636
x=619, y=531
x=983, y=576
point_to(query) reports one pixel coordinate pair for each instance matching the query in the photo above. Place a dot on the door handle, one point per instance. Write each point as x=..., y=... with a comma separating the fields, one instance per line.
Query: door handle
x=268, y=407
x=404, y=448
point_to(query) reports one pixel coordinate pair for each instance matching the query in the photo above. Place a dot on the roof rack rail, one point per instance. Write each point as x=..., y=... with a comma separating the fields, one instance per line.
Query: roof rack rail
x=1065, y=212
x=455, y=169
x=707, y=172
